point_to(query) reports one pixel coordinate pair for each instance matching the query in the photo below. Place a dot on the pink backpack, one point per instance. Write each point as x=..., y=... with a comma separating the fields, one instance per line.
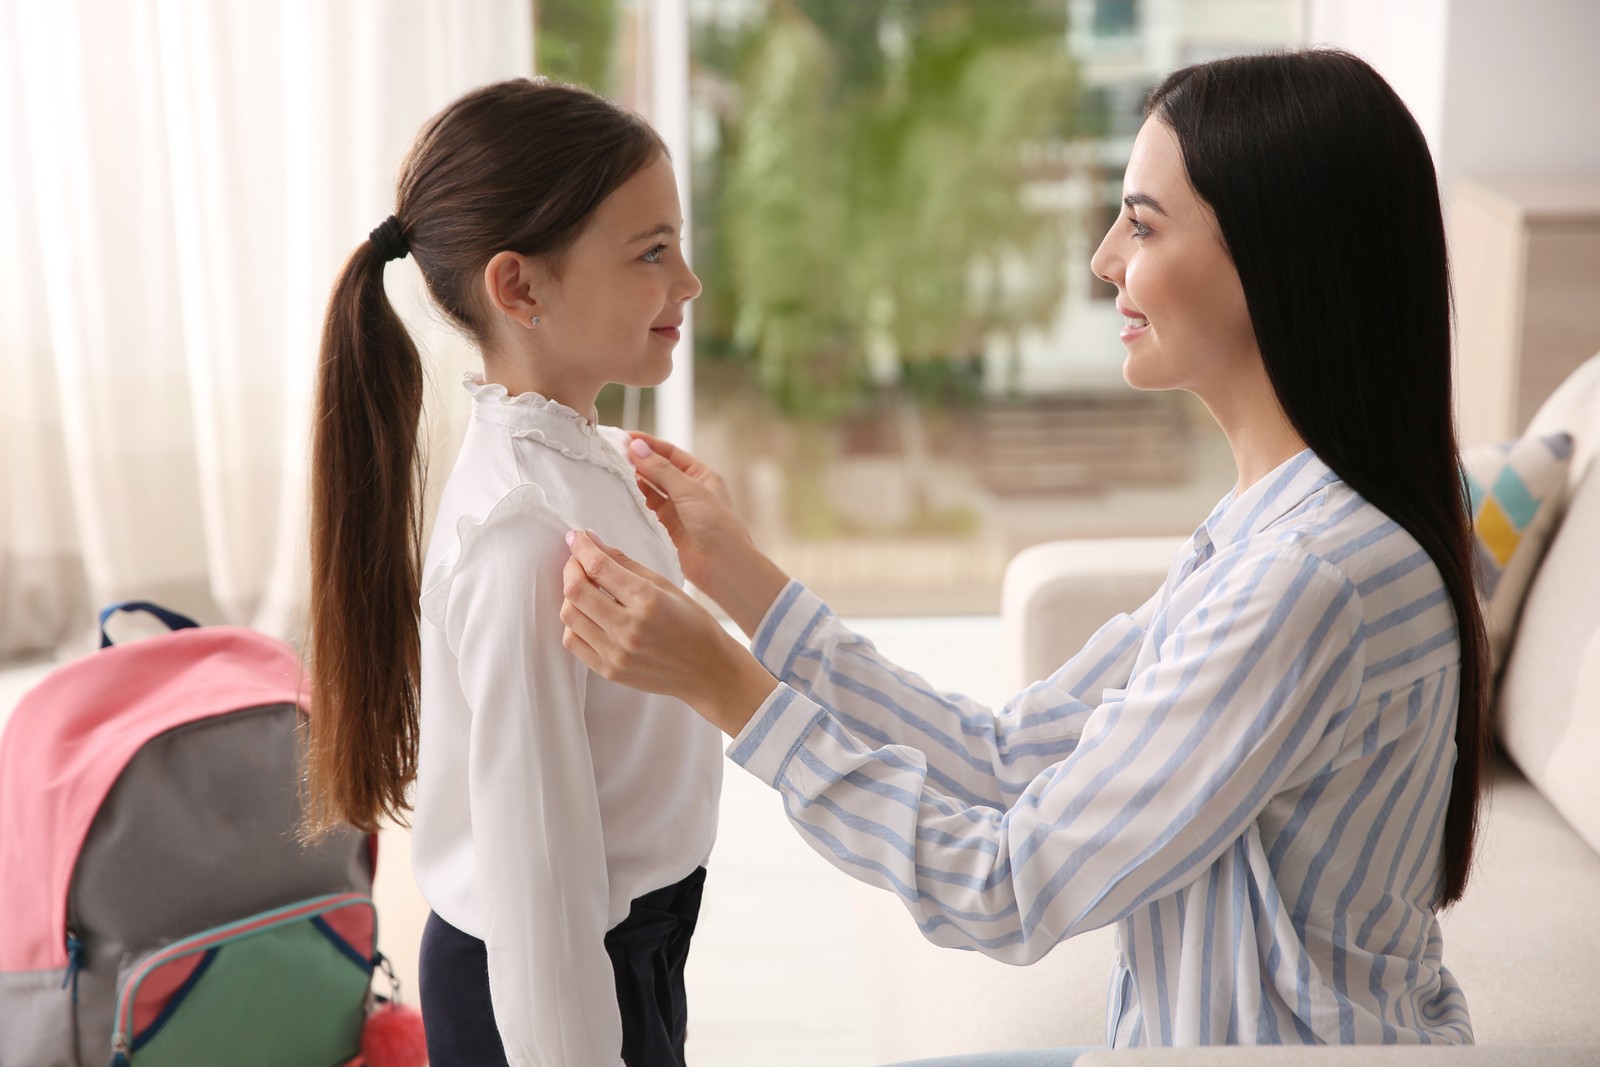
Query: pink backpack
x=156, y=906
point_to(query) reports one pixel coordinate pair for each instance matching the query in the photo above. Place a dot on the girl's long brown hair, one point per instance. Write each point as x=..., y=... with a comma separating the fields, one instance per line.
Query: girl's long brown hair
x=519, y=166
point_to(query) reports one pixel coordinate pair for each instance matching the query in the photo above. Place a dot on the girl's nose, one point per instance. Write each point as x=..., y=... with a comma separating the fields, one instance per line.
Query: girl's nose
x=691, y=286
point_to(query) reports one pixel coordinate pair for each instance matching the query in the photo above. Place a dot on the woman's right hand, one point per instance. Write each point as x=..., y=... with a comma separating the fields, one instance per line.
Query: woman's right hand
x=692, y=502
x=714, y=546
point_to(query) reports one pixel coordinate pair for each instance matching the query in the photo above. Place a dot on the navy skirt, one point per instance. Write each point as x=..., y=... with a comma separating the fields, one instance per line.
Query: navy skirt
x=648, y=951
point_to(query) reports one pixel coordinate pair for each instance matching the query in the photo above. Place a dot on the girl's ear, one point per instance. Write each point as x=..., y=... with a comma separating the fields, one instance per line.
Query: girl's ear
x=511, y=282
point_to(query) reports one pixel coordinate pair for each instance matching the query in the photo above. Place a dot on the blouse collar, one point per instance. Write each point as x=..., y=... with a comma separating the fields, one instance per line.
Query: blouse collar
x=548, y=422
x=1287, y=486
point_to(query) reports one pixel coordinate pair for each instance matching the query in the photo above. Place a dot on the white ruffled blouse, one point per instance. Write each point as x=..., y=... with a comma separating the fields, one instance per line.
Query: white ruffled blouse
x=547, y=798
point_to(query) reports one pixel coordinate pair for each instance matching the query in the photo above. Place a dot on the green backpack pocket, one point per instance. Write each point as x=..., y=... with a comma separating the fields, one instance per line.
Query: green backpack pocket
x=286, y=988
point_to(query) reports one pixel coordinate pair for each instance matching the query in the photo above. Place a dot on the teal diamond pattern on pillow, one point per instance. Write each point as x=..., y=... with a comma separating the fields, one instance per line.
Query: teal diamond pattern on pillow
x=1516, y=490
x=1511, y=492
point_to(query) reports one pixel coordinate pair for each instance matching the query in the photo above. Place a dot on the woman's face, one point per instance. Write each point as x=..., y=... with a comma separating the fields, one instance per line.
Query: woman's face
x=614, y=312
x=1186, y=325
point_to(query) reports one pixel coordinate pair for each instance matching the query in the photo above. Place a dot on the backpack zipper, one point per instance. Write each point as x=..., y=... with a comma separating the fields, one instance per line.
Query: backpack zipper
x=122, y=1037
x=74, y=963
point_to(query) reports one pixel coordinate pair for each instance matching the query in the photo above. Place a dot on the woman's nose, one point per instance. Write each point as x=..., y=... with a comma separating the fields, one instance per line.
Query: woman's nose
x=1106, y=263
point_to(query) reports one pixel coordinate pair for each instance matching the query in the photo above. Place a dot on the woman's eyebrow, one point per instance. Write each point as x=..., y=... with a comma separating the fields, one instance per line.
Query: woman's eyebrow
x=1144, y=200
x=660, y=230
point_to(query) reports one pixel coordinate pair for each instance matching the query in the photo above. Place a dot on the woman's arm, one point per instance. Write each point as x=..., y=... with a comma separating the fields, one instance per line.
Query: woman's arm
x=973, y=753
x=1168, y=774
x=634, y=626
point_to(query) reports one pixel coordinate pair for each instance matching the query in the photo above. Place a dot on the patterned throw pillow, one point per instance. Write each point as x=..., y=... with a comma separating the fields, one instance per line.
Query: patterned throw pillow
x=1517, y=489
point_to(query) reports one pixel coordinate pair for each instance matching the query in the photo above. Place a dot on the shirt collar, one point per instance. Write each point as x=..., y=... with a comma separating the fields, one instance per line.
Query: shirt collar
x=549, y=422
x=1290, y=484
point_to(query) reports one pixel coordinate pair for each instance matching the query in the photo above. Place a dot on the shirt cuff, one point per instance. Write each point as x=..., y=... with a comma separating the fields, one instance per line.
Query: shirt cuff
x=784, y=631
x=773, y=734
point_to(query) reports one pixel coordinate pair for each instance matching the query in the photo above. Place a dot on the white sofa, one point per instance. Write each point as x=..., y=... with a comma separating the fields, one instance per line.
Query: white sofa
x=1525, y=941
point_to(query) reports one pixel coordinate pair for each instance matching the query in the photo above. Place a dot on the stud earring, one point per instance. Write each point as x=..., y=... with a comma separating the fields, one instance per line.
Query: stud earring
x=534, y=321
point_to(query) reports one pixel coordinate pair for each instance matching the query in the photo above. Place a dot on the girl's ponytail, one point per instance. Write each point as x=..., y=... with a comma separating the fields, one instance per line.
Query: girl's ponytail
x=366, y=540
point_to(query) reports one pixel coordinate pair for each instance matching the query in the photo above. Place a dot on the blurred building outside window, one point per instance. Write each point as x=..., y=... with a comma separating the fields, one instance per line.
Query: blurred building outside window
x=901, y=361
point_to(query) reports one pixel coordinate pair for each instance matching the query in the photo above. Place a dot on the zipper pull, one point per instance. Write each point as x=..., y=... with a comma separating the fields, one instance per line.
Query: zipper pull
x=119, y=1050
x=382, y=962
x=74, y=964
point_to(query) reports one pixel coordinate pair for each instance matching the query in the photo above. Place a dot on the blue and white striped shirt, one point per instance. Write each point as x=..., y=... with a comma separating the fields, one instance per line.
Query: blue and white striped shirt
x=1248, y=776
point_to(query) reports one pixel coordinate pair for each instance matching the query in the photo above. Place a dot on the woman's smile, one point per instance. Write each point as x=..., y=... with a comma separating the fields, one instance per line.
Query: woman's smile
x=1134, y=324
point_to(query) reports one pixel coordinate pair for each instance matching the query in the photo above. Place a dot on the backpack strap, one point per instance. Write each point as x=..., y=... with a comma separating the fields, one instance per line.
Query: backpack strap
x=172, y=619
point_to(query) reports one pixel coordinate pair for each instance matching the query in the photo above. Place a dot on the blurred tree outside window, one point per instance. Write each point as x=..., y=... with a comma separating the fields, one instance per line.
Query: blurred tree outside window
x=903, y=364
x=575, y=41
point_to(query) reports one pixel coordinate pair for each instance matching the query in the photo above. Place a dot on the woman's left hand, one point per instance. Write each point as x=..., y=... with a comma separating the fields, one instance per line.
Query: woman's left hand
x=630, y=625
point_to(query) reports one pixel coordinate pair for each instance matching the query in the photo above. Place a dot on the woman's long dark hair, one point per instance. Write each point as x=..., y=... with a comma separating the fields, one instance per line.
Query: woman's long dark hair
x=519, y=166
x=1325, y=193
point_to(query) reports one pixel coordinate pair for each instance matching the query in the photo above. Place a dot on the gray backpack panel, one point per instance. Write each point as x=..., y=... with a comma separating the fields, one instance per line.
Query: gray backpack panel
x=199, y=830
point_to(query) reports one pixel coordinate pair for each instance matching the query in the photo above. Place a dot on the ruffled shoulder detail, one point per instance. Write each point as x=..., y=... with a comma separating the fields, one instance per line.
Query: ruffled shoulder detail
x=591, y=449
x=551, y=424
x=526, y=500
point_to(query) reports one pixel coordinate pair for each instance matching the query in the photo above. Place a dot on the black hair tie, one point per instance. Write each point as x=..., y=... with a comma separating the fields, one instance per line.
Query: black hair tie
x=389, y=239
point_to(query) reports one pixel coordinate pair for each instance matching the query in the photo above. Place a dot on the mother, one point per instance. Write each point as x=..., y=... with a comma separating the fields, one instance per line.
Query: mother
x=1267, y=777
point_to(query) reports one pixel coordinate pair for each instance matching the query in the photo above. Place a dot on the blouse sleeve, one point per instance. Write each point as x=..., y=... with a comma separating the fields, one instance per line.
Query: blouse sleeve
x=536, y=831
x=1167, y=771
x=973, y=754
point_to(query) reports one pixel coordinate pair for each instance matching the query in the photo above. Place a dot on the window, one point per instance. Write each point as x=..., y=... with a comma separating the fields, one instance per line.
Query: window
x=902, y=363
x=1115, y=18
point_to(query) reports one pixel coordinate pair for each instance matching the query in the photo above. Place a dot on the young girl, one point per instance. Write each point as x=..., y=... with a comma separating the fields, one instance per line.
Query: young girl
x=560, y=820
x=1266, y=778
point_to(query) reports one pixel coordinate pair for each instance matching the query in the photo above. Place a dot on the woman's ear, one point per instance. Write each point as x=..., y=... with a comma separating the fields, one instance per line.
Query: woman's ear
x=512, y=283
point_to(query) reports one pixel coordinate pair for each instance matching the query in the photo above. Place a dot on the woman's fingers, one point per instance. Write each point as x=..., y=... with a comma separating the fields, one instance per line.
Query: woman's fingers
x=601, y=629
x=608, y=569
x=664, y=476
x=678, y=457
x=628, y=624
x=671, y=470
x=580, y=648
x=593, y=642
x=654, y=637
x=652, y=492
x=583, y=595
x=659, y=503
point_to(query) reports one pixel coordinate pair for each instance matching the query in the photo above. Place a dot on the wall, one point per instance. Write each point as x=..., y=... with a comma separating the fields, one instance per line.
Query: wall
x=1404, y=39
x=1522, y=88
x=1502, y=90
x=1497, y=87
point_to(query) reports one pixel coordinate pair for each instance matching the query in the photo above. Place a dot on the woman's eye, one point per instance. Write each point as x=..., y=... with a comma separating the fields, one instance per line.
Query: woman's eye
x=1139, y=228
x=654, y=255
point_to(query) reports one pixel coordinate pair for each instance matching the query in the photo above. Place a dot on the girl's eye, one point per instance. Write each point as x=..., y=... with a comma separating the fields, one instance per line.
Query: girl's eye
x=1139, y=228
x=654, y=255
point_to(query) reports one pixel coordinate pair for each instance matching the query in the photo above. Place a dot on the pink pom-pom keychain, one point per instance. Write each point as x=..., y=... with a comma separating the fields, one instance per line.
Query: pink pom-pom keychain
x=393, y=1035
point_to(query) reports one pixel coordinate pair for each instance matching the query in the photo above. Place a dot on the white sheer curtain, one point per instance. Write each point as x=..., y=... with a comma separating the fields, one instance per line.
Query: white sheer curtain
x=180, y=180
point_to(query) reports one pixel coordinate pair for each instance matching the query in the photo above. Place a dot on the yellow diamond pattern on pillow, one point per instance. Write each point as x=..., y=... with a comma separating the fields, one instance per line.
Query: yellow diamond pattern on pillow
x=1496, y=532
x=1517, y=490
